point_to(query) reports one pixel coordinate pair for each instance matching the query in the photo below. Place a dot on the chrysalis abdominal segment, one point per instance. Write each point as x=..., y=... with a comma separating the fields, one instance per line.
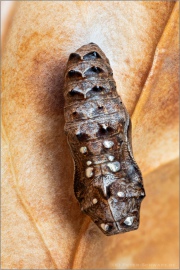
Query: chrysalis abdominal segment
x=107, y=182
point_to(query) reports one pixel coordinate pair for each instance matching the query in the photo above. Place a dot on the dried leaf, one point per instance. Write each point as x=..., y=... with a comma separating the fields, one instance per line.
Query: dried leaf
x=21, y=238
x=7, y=12
x=154, y=245
x=38, y=175
x=156, y=117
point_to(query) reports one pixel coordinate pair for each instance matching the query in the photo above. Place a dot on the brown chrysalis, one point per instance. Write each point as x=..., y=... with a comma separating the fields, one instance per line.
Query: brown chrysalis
x=107, y=182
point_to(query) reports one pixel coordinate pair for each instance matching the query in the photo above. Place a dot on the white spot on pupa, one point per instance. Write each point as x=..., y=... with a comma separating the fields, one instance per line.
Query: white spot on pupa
x=95, y=201
x=129, y=221
x=142, y=193
x=105, y=227
x=108, y=144
x=114, y=166
x=121, y=194
x=89, y=162
x=104, y=126
x=83, y=149
x=89, y=172
x=111, y=158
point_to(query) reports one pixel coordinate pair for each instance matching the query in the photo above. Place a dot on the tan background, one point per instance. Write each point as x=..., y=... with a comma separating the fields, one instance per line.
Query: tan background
x=42, y=226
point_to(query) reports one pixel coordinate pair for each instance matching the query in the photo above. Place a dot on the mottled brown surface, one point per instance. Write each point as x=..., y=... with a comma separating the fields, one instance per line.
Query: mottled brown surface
x=155, y=245
x=97, y=122
x=42, y=227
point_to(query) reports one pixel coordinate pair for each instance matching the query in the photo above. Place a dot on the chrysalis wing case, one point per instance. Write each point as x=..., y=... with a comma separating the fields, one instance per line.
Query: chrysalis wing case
x=107, y=182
